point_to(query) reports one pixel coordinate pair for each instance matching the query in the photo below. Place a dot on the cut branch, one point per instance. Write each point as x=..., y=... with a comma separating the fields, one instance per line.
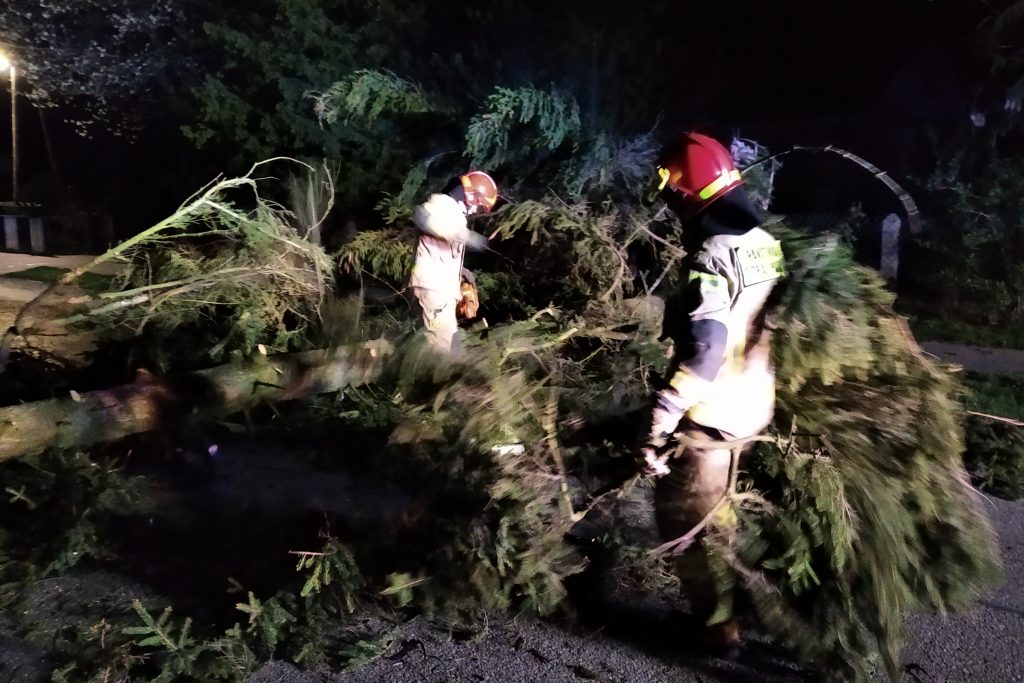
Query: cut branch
x=192, y=212
x=997, y=418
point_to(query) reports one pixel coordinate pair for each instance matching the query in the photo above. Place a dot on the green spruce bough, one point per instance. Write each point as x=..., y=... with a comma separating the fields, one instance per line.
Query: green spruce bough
x=865, y=514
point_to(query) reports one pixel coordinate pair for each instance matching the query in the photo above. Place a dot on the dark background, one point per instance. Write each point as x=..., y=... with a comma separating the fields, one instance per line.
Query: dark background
x=894, y=82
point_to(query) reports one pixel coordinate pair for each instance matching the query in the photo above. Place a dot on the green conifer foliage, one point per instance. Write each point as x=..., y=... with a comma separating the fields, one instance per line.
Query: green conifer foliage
x=861, y=513
x=367, y=94
x=553, y=118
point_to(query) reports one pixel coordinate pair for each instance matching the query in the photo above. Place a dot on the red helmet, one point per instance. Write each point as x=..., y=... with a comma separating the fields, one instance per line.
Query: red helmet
x=698, y=169
x=480, y=190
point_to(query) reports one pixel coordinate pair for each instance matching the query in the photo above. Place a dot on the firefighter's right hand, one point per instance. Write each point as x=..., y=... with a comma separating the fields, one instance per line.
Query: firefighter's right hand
x=652, y=464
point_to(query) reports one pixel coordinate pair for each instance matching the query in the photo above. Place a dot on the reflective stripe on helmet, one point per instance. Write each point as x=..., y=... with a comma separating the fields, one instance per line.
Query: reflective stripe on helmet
x=664, y=174
x=718, y=184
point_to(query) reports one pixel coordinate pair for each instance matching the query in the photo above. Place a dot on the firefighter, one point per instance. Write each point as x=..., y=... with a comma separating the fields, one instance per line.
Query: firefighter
x=442, y=286
x=720, y=384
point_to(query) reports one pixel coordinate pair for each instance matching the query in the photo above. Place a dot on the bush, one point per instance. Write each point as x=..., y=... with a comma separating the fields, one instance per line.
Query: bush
x=971, y=251
x=994, y=450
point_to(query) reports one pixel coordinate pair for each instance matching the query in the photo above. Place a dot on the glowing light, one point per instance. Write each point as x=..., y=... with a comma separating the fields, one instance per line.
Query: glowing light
x=5, y=62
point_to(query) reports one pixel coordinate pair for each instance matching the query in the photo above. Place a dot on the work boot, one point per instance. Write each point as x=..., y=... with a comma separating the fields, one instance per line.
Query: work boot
x=717, y=640
x=723, y=639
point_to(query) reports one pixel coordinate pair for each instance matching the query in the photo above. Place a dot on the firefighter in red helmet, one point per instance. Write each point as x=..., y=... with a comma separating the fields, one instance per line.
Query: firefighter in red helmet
x=442, y=286
x=720, y=383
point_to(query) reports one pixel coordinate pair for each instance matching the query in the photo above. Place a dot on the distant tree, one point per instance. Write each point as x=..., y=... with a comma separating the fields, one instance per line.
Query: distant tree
x=1002, y=36
x=998, y=50
x=620, y=60
x=975, y=244
x=108, y=60
x=252, y=102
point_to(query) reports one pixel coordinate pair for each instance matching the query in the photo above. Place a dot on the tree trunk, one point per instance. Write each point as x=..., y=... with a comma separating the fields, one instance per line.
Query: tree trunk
x=152, y=402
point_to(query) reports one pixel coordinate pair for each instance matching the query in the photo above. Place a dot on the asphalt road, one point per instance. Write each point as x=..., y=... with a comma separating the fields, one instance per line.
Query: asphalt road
x=987, y=643
x=979, y=358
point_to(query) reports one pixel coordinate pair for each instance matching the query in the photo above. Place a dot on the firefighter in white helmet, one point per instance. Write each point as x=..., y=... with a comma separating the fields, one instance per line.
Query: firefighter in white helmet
x=441, y=284
x=720, y=385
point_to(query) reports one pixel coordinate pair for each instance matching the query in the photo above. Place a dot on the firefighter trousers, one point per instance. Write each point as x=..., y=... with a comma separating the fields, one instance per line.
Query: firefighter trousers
x=440, y=324
x=698, y=478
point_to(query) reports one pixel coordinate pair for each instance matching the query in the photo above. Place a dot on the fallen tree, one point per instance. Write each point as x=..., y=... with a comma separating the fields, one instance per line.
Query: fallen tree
x=858, y=516
x=153, y=402
x=251, y=276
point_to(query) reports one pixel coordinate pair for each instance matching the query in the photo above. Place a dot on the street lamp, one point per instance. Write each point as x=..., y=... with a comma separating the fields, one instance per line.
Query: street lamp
x=7, y=65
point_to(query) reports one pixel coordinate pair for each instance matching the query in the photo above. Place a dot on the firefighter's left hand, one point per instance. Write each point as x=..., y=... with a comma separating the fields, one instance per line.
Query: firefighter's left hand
x=652, y=464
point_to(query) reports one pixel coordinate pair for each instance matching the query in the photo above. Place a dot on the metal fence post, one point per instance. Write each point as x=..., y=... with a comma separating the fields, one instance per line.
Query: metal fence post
x=891, y=225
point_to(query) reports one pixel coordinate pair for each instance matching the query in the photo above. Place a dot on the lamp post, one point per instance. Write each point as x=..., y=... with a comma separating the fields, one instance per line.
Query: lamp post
x=7, y=65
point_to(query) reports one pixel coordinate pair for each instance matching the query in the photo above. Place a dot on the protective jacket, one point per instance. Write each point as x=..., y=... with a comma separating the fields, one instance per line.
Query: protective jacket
x=721, y=375
x=438, y=273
